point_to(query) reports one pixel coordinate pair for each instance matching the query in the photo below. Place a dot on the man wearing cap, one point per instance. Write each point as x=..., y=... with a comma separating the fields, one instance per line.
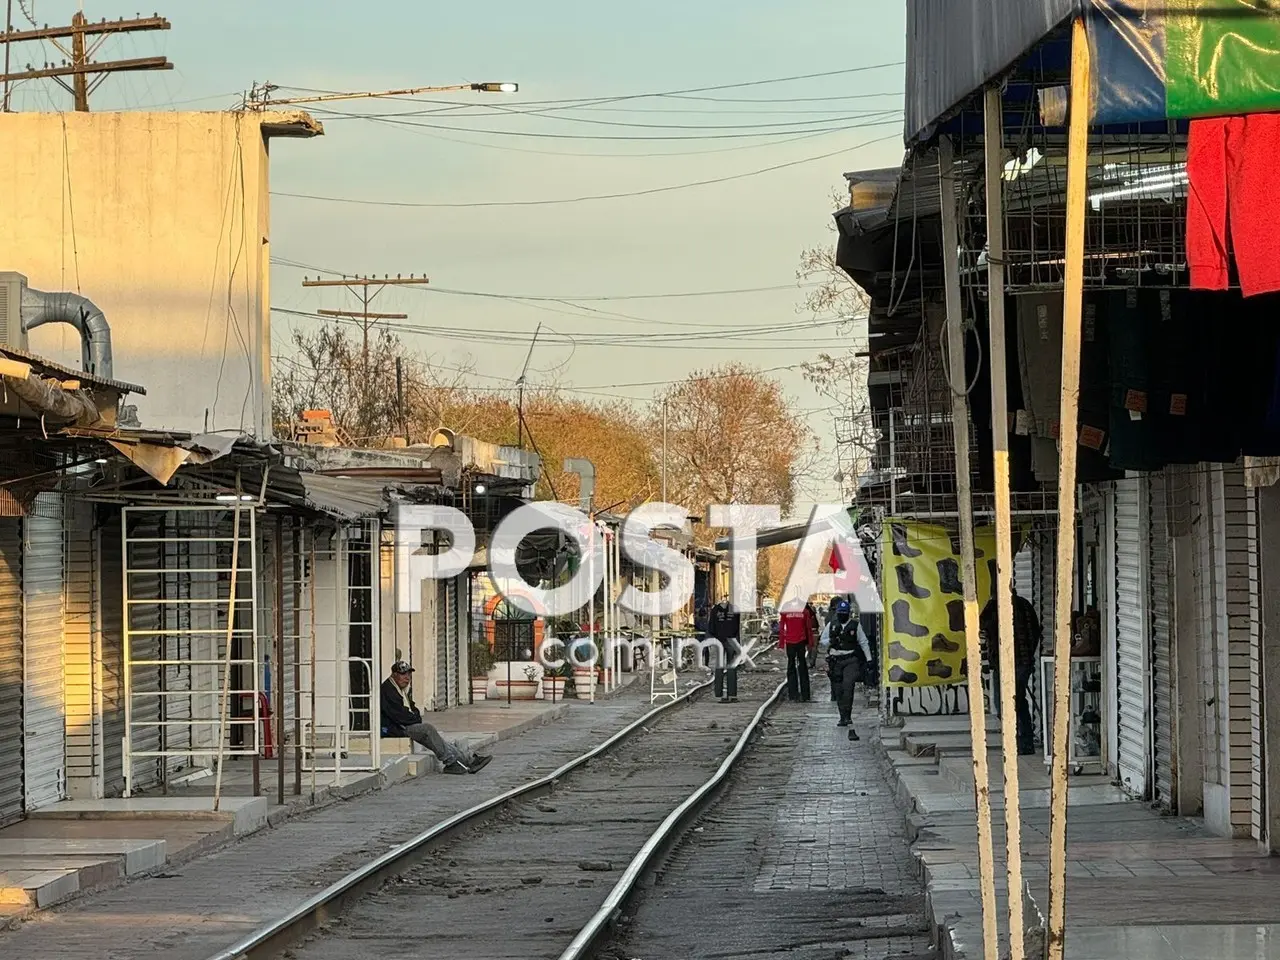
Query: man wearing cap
x=400, y=718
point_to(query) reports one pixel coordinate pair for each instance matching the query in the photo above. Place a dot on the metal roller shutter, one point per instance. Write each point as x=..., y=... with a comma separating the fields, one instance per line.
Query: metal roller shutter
x=11, y=805
x=112, y=622
x=1162, y=696
x=454, y=644
x=442, y=646
x=1131, y=657
x=1244, y=655
x=44, y=720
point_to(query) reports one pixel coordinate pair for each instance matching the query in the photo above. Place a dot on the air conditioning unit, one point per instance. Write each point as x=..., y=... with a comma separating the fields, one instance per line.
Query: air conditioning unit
x=11, y=332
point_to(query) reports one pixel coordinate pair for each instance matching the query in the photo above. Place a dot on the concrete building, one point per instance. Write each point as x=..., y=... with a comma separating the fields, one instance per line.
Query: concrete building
x=163, y=219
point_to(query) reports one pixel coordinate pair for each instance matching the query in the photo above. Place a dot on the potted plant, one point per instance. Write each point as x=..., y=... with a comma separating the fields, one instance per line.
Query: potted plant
x=526, y=689
x=480, y=658
x=555, y=681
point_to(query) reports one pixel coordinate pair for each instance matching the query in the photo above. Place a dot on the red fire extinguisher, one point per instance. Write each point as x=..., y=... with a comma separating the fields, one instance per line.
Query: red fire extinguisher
x=264, y=711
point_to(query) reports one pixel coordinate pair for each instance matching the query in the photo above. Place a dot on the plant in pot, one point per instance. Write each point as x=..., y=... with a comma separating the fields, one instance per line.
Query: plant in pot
x=522, y=689
x=480, y=658
x=555, y=681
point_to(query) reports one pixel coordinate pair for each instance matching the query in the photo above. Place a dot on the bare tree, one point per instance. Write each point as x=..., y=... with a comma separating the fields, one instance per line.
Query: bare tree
x=841, y=378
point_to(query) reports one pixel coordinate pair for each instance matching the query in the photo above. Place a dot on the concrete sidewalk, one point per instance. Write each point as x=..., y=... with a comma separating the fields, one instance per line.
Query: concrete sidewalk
x=1138, y=884
x=77, y=846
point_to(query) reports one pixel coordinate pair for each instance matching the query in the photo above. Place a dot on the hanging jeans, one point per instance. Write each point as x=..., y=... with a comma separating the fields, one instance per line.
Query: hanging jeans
x=1233, y=205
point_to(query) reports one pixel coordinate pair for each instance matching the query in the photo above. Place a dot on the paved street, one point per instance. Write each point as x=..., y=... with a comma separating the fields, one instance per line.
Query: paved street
x=805, y=857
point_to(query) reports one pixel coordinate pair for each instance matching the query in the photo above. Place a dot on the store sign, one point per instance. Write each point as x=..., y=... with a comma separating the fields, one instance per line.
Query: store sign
x=924, y=639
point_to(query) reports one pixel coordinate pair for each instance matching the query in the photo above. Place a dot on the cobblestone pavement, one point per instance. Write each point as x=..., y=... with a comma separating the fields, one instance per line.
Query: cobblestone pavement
x=804, y=857
x=190, y=912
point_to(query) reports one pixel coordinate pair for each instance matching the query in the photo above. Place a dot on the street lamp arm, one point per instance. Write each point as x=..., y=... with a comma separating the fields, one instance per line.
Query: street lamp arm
x=407, y=92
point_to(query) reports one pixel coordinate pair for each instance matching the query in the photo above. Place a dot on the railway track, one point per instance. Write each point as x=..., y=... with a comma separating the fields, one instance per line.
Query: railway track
x=542, y=870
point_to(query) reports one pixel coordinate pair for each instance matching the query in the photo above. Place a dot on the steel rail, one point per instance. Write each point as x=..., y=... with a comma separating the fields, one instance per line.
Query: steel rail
x=273, y=938
x=593, y=934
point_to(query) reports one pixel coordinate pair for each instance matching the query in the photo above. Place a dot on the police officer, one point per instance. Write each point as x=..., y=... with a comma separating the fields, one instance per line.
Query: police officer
x=848, y=661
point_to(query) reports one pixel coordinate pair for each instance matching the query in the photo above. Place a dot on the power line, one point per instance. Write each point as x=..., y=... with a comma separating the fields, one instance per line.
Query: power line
x=587, y=198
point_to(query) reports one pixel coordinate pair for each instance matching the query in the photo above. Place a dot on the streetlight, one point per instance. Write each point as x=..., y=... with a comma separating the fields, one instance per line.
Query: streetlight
x=258, y=96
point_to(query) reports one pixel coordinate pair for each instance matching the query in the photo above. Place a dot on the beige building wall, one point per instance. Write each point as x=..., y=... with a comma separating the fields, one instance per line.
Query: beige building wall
x=163, y=221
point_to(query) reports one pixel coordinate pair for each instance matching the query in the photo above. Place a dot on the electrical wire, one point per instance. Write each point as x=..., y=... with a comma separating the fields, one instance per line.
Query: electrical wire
x=651, y=191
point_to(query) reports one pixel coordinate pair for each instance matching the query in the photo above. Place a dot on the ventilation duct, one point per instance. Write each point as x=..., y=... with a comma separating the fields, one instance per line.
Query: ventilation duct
x=39, y=308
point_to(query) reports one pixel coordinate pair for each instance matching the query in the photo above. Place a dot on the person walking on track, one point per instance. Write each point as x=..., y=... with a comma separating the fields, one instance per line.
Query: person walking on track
x=725, y=625
x=797, y=635
x=848, y=660
x=400, y=718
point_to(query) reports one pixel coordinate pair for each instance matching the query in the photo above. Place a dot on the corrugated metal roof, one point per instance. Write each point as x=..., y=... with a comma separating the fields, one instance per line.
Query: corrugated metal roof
x=71, y=372
x=954, y=47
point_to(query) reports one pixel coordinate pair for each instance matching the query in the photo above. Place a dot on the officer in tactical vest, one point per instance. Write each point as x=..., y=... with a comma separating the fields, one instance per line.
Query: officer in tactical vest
x=848, y=661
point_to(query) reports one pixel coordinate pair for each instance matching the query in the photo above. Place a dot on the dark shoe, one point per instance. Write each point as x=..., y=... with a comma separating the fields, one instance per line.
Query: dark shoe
x=898, y=675
x=939, y=669
x=902, y=622
x=944, y=644
x=479, y=763
x=853, y=735
x=843, y=722
x=907, y=582
x=456, y=769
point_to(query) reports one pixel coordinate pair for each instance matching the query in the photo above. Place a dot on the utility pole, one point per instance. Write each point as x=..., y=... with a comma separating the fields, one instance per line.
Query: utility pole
x=78, y=66
x=664, y=450
x=520, y=388
x=366, y=290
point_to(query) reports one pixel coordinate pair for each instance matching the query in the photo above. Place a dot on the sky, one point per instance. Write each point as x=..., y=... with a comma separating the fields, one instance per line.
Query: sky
x=602, y=133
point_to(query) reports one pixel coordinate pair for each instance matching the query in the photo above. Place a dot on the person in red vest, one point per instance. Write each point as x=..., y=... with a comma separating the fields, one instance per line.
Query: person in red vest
x=798, y=635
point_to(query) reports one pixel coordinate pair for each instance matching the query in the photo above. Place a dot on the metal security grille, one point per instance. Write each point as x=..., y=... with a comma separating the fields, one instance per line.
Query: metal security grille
x=339, y=666
x=1160, y=568
x=44, y=721
x=1131, y=646
x=11, y=805
x=190, y=636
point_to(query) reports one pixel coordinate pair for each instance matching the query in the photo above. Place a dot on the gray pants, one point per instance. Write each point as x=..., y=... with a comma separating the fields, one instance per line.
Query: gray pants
x=446, y=752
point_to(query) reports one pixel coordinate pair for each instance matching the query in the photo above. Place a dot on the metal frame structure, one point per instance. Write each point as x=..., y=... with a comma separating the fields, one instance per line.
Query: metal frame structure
x=331, y=701
x=189, y=619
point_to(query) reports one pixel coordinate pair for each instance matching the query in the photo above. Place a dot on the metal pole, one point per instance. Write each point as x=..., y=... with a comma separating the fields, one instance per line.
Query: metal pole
x=1068, y=418
x=893, y=464
x=226, y=669
x=994, y=157
x=311, y=655
x=279, y=667
x=964, y=497
x=664, y=451
x=297, y=656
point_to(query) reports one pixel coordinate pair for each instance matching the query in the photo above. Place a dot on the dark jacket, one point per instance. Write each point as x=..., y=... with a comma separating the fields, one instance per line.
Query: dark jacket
x=724, y=623
x=1026, y=631
x=395, y=715
x=844, y=637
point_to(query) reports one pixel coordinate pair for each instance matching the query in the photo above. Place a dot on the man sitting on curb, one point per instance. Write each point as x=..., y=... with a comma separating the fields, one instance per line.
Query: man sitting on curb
x=400, y=718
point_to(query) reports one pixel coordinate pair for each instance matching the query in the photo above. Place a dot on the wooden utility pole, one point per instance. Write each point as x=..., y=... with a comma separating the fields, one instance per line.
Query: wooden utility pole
x=968, y=560
x=366, y=290
x=1068, y=419
x=79, y=66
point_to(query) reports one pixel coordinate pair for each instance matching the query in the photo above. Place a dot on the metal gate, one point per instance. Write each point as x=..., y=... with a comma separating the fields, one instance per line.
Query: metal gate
x=1160, y=575
x=339, y=663
x=44, y=722
x=1130, y=598
x=190, y=638
x=11, y=805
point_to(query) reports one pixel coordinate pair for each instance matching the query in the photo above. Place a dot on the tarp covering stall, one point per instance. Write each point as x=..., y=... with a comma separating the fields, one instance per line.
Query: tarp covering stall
x=954, y=48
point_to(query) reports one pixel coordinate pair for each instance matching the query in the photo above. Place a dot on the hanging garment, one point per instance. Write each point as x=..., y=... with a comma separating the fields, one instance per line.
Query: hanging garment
x=1233, y=165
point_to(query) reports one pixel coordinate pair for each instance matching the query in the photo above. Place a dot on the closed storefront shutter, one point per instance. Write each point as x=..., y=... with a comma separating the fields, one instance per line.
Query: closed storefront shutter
x=44, y=721
x=1130, y=617
x=441, y=699
x=143, y=649
x=1243, y=667
x=454, y=643
x=11, y=805
x=1162, y=696
x=112, y=623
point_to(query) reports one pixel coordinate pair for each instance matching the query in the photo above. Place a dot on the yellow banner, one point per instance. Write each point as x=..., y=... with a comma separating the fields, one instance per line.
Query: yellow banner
x=924, y=643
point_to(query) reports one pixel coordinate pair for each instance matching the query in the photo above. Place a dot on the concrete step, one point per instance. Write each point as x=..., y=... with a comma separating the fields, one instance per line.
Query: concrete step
x=134, y=856
x=42, y=882
x=246, y=814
